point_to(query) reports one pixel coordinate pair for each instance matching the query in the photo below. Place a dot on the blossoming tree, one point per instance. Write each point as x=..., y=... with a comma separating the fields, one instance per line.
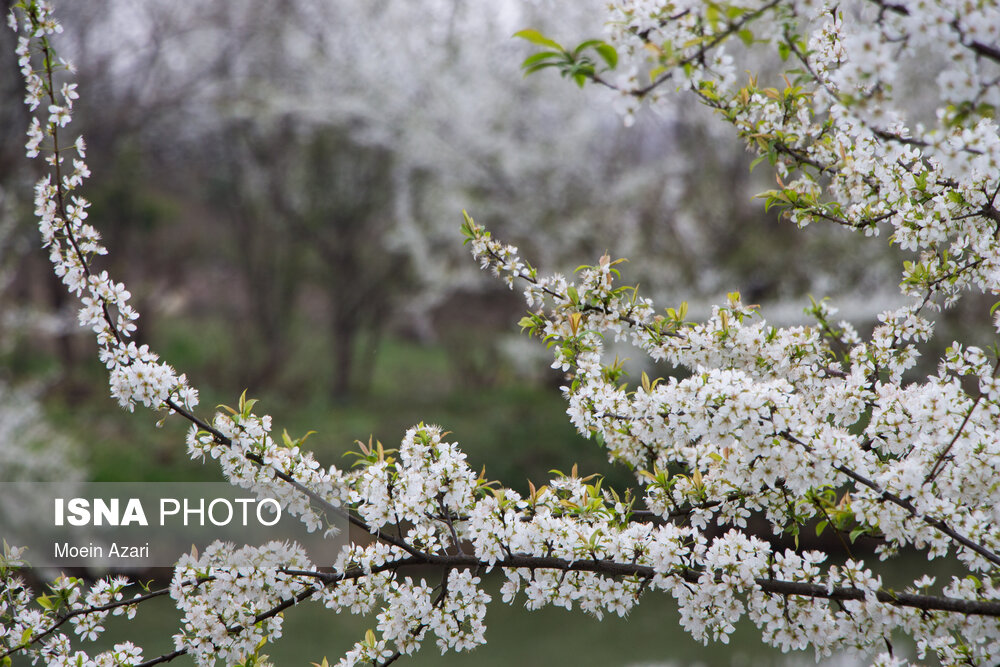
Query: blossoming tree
x=796, y=425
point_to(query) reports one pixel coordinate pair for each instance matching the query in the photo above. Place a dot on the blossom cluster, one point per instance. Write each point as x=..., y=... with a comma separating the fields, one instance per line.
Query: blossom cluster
x=239, y=439
x=772, y=421
x=851, y=140
x=228, y=609
x=35, y=624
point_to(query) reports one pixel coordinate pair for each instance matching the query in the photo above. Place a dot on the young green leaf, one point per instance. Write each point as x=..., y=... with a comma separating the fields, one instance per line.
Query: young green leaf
x=535, y=37
x=608, y=54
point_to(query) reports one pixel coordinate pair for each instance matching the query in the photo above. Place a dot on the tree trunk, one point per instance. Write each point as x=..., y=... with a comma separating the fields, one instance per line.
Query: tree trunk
x=344, y=333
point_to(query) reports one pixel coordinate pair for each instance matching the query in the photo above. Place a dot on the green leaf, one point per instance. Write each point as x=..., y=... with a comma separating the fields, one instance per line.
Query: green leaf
x=608, y=54
x=712, y=14
x=746, y=35
x=585, y=45
x=540, y=57
x=535, y=37
x=735, y=12
x=539, y=66
x=655, y=73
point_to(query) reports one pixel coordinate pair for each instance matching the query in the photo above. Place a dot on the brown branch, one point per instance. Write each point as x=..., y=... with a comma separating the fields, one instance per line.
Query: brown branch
x=768, y=585
x=926, y=603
